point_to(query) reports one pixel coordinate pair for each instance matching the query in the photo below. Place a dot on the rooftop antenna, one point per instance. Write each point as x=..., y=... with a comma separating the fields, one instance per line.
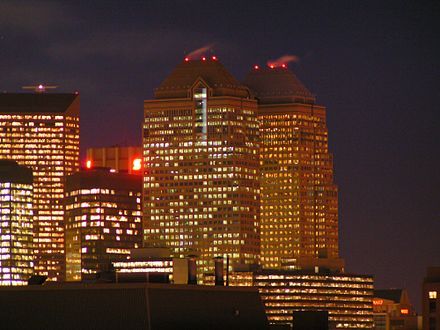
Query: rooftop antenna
x=39, y=88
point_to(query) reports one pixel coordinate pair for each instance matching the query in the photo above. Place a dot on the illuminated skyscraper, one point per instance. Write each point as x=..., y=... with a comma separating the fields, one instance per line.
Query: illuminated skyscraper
x=201, y=189
x=299, y=202
x=16, y=235
x=103, y=220
x=41, y=131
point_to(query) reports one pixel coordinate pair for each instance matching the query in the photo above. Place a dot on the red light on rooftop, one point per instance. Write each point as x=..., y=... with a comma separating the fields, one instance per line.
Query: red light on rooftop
x=203, y=58
x=89, y=164
x=186, y=59
x=214, y=58
x=256, y=67
x=271, y=66
x=137, y=164
x=284, y=66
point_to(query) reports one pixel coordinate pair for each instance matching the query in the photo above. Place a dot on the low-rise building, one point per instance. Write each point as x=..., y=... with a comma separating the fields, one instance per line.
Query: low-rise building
x=346, y=297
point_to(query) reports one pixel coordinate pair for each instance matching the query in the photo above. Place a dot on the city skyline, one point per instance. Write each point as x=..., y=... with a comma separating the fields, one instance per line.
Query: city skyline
x=373, y=66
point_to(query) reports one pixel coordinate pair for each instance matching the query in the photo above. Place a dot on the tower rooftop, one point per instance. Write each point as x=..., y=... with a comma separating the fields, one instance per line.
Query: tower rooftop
x=209, y=70
x=277, y=85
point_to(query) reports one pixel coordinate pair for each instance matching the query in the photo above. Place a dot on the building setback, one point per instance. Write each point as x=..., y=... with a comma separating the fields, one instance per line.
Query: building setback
x=201, y=185
x=121, y=159
x=41, y=131
x=103, y=220
x=16, y=223
x=299, y=201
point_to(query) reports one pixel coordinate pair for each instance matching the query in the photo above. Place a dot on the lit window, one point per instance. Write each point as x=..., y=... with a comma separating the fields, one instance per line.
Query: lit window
x=432, y=294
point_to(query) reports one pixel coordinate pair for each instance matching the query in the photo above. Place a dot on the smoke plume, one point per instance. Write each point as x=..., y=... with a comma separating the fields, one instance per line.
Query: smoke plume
x=283, y=60
x=199, y=52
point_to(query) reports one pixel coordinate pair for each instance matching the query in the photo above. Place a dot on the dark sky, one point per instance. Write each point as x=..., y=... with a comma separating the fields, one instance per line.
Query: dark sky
x=373, y=64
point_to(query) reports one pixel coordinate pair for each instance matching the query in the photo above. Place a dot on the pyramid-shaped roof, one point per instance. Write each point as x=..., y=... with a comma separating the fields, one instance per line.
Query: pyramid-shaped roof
x=179, y=83
x=277, y=85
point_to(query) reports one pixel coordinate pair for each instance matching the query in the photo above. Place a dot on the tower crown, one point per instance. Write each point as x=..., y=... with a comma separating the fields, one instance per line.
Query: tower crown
x=220, y=82
x=277, y=85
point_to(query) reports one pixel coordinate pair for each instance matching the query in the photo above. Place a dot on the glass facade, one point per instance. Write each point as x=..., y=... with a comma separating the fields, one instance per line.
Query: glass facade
x=16, y=233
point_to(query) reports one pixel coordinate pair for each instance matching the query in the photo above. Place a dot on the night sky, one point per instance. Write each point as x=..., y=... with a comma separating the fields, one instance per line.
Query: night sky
x=373, y=64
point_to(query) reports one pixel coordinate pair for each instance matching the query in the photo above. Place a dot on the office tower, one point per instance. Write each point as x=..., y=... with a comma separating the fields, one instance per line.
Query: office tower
x=41, y=131
x=431, y=299
x=201, y=187
x=16, y=226
x=346, y=297
x=103, y=220
x=299, y=203
x=121, y=159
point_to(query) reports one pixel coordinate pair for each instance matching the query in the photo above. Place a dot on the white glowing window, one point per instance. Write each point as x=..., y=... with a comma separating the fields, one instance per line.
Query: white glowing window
x=432, y=294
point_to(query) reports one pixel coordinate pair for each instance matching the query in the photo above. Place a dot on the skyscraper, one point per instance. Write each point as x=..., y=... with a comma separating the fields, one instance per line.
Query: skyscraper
x=16, y=235
x=103, y=220
x=41, y=131
x=299, y=203
x=201, y=185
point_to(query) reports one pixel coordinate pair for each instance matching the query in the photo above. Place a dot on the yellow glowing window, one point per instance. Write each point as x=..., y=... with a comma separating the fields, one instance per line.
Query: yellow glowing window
x=432, y=294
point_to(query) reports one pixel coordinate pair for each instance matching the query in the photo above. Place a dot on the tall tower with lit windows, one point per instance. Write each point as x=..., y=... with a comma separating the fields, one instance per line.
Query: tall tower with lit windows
x=201, y=185
x=41, y=131
x=299, y=202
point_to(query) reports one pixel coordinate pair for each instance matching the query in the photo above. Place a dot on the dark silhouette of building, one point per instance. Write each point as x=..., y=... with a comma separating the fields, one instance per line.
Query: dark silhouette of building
x=130, y=306
x=431, y=299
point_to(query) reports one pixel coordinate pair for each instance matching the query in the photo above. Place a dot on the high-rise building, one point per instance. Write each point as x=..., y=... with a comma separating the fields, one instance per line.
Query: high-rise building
x=41, y=131
x=121, y=159
x=201, y=184
x=103, y=220
x=299, y=203
x=16, y=223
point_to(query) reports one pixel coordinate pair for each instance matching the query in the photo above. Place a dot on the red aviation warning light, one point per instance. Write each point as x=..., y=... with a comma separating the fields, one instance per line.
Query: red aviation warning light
x=203, y=58
x=256, y=67
x=137, y=164
x=88, y=164
x=186, y=59
x=284, y=65
x=214, y=58
x=271, y=66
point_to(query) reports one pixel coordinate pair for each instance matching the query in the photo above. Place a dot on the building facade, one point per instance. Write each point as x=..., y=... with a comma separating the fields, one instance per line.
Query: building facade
x=103, y=220
x=121, y=159
x=16, y=226
x=299, y=201
x=41, y=131
x=201, y=183
x=346, y=297
x=431, y=299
